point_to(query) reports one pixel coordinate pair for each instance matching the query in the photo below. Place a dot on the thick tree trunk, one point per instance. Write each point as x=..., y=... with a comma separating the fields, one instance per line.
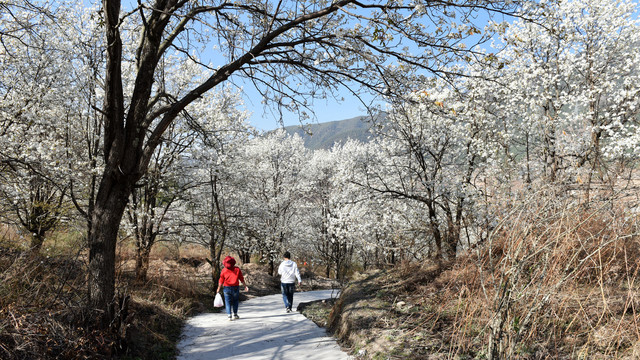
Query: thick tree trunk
x=110, y=204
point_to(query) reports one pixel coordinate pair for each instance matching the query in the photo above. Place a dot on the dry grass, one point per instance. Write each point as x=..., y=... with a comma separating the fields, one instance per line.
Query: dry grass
x=41, y=309
x=554, y=276
x=43, y=313
x=555, y=280
x=317, y=311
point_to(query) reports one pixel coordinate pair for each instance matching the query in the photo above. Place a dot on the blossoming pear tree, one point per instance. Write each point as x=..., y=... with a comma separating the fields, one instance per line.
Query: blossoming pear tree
x=269, y=175
x=574, y=105
x=208, y=211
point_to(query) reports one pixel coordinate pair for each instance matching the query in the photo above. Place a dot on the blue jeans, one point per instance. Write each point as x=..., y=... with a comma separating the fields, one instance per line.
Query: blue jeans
x=287, y=294
x=231, y=298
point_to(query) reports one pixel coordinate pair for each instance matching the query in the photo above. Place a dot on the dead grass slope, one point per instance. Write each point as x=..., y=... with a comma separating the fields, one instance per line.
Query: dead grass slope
x=551, y=283
x=381, y=314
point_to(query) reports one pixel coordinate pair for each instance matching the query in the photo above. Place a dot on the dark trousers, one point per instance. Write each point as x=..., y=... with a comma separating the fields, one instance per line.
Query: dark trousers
x=287, y=294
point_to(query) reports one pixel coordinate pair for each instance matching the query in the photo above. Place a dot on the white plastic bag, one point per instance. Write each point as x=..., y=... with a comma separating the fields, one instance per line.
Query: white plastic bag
x=217, y=302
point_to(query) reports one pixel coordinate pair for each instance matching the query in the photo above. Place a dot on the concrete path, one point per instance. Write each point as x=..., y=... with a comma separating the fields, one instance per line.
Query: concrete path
x=264, y=331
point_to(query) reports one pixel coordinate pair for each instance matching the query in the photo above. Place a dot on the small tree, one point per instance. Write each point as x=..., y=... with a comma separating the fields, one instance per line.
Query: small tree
x=37, y=205
x=44, y=79
x=154, y=197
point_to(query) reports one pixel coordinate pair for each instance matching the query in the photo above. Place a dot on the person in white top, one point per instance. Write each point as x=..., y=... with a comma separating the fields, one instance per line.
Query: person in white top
x=288, y=271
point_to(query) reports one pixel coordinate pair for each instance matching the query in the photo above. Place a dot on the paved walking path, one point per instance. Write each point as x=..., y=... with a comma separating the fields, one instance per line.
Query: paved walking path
x=264, y=331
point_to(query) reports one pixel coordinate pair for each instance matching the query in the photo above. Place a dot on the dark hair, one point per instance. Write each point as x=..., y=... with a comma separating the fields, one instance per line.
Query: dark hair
x=287, y=255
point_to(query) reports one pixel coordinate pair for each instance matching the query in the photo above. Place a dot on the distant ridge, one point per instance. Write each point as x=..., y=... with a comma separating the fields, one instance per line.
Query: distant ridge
x=325, y=135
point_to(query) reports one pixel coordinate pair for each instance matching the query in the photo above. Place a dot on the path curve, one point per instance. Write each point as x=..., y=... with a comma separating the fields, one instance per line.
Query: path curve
x=264, y=331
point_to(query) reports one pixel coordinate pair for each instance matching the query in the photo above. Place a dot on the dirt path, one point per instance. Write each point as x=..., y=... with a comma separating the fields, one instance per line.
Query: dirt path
x=264, y=331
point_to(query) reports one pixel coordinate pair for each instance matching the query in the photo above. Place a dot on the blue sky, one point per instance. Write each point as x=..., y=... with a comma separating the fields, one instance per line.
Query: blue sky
x=325, y=110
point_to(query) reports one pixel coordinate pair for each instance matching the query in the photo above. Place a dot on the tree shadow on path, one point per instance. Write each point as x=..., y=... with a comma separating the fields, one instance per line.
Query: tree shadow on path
x=264, y=331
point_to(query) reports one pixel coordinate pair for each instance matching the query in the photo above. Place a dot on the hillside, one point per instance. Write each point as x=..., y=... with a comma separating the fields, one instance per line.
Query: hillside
x=325, y=135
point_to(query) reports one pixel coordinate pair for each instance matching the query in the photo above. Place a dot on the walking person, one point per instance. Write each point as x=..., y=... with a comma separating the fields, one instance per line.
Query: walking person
x=230, y=279
x=288, y=271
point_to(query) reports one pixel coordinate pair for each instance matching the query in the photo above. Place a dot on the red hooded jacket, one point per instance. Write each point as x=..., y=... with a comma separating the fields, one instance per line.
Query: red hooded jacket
x=231, y=275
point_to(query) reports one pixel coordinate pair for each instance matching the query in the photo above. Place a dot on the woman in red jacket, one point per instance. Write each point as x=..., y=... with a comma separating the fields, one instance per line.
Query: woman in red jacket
x=230, y=278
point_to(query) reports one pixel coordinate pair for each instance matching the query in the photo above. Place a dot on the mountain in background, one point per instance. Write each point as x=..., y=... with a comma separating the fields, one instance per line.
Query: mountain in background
x=325, y=135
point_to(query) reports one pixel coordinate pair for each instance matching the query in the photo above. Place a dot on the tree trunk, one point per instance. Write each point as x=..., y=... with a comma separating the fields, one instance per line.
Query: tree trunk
x=452, y=243
x=142, y=263
x=110, y=204
x=435, y=230
x=215, y=265
x=245, y=256
x=36, y=243
x=272, y=267
x=528, y=176
x=215, y=251
x=454, y=224
x=340, y=254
